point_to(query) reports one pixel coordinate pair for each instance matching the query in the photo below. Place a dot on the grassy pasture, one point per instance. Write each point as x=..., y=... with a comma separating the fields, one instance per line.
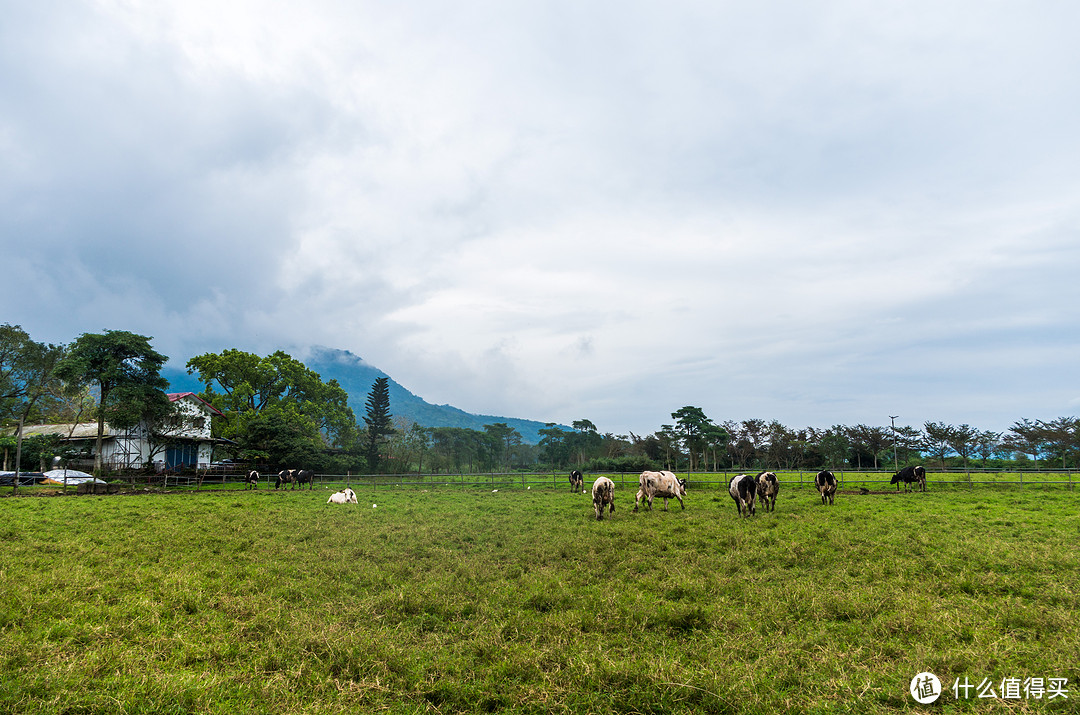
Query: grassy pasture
x=463, y=600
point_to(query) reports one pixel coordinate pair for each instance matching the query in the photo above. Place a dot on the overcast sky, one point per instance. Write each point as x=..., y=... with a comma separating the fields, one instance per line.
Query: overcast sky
x=816, y=212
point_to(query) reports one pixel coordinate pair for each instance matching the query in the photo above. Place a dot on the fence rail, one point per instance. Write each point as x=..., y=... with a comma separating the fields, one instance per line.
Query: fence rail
x=559, y=480
x=234, y=478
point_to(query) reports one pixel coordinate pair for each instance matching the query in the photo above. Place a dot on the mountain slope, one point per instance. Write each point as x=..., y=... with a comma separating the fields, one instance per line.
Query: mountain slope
x=356, y=377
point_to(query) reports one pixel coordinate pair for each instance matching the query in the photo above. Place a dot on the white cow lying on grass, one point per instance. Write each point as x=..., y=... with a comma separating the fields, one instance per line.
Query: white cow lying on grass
x=345, y=496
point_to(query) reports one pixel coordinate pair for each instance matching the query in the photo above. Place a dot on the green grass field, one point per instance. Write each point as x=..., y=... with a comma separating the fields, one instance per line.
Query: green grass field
x=452, y=600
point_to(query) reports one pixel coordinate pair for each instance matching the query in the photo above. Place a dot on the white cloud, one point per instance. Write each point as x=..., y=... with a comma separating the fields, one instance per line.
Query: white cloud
x=563, y=210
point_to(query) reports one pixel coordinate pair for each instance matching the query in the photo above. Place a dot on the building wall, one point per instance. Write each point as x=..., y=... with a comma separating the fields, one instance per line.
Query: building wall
x=133, y=451
x=196, y=418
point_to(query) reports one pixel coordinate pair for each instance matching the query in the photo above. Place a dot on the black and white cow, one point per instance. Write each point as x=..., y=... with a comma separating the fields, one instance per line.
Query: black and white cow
x=577, y=482
x=345, y=496
x=603, y=494
x=294, y=477
x=909, y=476
x=826, y=484
x=659, y=484
x=252, y=480
x=767, y=489
x=743, y=489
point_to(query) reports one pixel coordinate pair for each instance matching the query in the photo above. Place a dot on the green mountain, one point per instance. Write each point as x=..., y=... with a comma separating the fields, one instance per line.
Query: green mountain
x=356, y=377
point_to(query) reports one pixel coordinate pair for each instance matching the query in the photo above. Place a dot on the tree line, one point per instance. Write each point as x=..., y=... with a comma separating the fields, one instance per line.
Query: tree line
x=694, y=442
x=277, y=412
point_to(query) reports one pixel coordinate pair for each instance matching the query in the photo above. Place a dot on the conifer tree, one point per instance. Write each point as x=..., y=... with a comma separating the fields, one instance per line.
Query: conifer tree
x=377, y=420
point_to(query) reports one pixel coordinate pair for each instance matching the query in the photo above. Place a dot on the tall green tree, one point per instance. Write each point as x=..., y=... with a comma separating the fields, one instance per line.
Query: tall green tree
x=126, y=372
x=668, y=437
x=908, y=443
x=503, y=439
x=1026, y=437
x=377, y=419
x=715, y=439
x=454, y=447
x=555, y=445
x=937, y=440
x=27, y=372
x=693, y=426
x=258, y=395
x=962, y=440
x=987, y=443
x=1061, y=436
x=835, y=446
x=585, y=441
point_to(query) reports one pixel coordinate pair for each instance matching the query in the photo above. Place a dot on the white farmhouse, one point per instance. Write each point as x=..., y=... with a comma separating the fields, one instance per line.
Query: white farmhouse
x=183, y=442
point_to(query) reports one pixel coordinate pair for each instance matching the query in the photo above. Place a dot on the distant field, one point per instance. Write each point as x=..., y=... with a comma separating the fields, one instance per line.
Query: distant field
x=874, y=481
x=464, y=600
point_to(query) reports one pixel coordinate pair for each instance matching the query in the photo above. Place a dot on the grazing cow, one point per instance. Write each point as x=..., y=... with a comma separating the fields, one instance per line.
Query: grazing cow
x=345, y=496
x=603, y=494
x=252, y=480
x=660, y=484
x=742, y=489
x=909, y=475
x=767, y=489
x=826, y=484
x=294, y=477
x=577, y=482
x=285, y=476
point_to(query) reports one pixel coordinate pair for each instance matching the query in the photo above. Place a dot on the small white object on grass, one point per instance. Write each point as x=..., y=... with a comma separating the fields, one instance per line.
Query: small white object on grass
x=374, y=505
x=493, y=491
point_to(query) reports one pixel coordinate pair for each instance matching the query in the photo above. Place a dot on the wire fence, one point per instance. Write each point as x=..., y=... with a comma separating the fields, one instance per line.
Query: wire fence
x=232, y=478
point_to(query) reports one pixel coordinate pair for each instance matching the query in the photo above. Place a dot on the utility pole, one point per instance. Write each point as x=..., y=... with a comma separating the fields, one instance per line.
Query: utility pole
x=892, y=419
